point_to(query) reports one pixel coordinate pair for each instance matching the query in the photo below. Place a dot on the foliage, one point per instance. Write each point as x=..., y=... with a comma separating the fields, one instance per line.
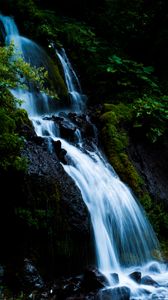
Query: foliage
x=14, y=68
x=81, y=35
x=159, y=218
x=134, y=83
x=38, y=218
x=151, y=114
x=129, y=75
x=12, y=72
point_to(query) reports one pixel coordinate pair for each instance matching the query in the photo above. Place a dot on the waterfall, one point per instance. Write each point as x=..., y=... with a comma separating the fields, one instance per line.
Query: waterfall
x=12, y=33
x=73, y=84
x=124, y=239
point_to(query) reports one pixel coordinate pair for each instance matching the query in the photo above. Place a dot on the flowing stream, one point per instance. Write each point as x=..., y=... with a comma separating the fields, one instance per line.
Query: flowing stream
x=124, y=239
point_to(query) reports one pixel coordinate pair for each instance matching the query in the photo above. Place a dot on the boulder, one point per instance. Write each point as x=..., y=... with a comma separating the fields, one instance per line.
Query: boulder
x=31, y=276
x=136, y=276
x=147, y=280
x=118, y=293
x=93, y=279
x=60, y=151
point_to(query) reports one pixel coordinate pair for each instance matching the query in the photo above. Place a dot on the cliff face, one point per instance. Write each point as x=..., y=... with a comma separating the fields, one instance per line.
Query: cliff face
x=64, y=219
x=151, y=162
x=43, y=217
x=140, y=163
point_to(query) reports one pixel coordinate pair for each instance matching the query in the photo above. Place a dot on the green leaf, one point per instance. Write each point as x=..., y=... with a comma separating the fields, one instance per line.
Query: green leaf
x=117, y=59
x=148, y=69
x=111, y=69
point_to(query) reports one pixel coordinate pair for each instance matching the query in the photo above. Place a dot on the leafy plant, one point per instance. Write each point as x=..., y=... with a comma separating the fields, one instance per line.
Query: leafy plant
x=130, y=74
x=81, y=35
x=13, y=73
x=151, y=114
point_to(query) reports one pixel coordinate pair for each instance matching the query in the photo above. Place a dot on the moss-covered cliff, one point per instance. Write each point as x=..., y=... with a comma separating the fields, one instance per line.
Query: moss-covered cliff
x=137, y=162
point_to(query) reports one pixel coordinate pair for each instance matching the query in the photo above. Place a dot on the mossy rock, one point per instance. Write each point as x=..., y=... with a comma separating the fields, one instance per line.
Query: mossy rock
x=115, y=141
x=115, y=122
x=56, y=78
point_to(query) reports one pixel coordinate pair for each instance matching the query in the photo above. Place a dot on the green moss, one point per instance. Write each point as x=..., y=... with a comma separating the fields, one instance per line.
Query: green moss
x=115, y=122
x=115, y=140
x=56, y=80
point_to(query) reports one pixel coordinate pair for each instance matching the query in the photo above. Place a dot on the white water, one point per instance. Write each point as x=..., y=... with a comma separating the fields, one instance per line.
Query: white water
x=73, y=84
x=124, y=239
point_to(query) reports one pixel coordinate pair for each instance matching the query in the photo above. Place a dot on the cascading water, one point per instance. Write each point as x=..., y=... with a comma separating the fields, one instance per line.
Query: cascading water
x=73, y=84
x=124, y=239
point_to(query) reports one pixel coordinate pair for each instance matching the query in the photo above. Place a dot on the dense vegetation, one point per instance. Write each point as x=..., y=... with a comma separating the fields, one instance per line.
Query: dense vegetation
x=120, y=56
x=12, y=72
x=119, y=48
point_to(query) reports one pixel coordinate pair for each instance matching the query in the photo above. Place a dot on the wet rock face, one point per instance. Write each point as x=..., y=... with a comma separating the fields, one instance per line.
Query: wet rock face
x=1, y=274
x=150, y=160
x=69, y=125
x=47, y=221
x=47, y=168
x=61, y=153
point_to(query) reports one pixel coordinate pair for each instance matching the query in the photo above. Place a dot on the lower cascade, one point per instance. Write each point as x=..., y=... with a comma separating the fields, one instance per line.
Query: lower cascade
x=125, y=243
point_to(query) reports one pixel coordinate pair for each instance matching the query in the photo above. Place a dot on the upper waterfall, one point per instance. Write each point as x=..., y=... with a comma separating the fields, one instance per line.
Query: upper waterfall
x=76, y=97
x=11, y=33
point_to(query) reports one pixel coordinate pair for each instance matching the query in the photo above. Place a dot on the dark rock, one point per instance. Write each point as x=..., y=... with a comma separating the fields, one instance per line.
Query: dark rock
x=65, y=289
x=65, y=220
x=38, y=140
x=27, y=130
x=72, y=115
x=136, y=276
x=141, y=292
x=31, y=276
x=82, y=297
x=93, y=279
x=1, y=273
x=118, y=293
x=53, y=118
x=83, y=124
x=115, y=278
x=60, y=151
x=147, y=280
x=154, y=171
x=63, y=115
x=67, y=129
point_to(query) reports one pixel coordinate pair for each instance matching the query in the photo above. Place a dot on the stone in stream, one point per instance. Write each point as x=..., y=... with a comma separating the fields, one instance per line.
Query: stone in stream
x=67, y=129
x=136, y=276
x=118, y=293
x=154, y=268
x=147, y=280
